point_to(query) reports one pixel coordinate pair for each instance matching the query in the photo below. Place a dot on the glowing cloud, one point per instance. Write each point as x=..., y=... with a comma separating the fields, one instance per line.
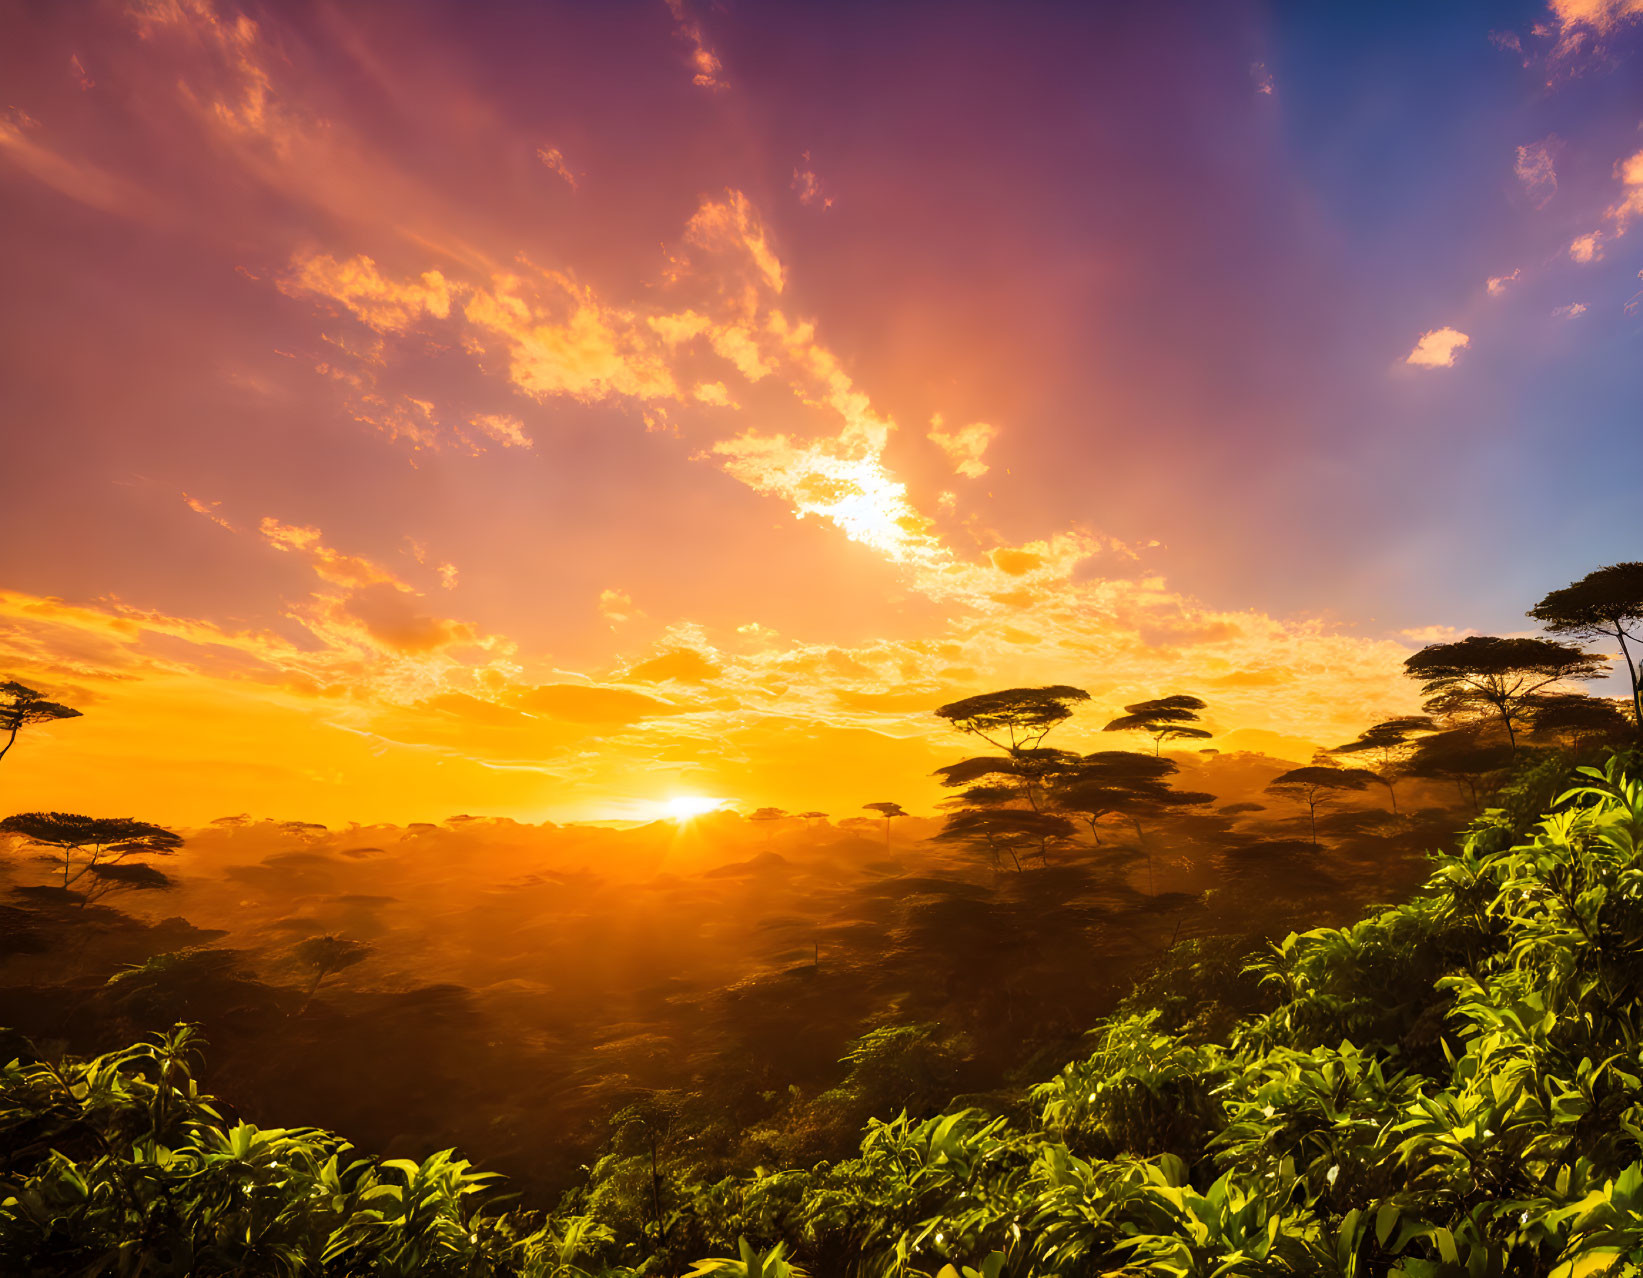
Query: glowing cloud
x=553, y=159
x=1437, y=348
x=964, y=447
x=1586, y=248
x=1630, y=205
x=1498, y=284
x=703, y=61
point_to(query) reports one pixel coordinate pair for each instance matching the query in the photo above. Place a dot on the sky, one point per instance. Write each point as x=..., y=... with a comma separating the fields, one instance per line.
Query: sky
x=549, y=411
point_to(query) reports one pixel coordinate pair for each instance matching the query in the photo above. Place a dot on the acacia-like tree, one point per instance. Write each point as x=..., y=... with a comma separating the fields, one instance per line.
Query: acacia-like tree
x=811, y=816
x=1484, y=673
x=768, y=817
x=87, y=845
x=889, y=811
x=1606, y=603
x=1389, y=745
x=1016, y=718
x=21, y=706
x=1122, y=783
x=1165, y=719
x=324, y=955
x=1011, y=832
x=1578, y=719
x=1469, y=757
x=1316, y=786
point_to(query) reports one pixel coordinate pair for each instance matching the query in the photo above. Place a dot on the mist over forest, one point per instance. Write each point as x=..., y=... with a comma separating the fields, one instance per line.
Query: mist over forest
x=618, y=1017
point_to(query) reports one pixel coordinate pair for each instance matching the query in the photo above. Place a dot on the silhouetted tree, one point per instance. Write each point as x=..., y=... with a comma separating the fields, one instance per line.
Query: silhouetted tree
x=1316, y=785
x=809, y=817
x=133, y=876
x=323, y=955
x=1483, y=673
x=1606, y=603
x=889, y=811
x=1389, y=744
x=92, y=841
x=21, y=706
x=1579, y=719
x=1123, y=783
x=1006, y=832
x=767, y=817
x=1016, y=718
x=1022, y=774
x=1166, y=719
x=1468, y=757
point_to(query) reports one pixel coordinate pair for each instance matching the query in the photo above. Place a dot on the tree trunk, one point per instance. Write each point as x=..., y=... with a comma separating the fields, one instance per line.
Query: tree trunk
x=1625, y=655
x=9, y=740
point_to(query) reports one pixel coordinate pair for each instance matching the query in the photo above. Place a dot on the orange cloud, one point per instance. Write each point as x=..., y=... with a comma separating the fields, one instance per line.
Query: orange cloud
x=328, y=564
x=1437, y=348
x=1586, y=248
x=554, y=161
x=1498, y=284
x=617, y=606
x=704, y=62
x=680, y=665
x=1569, y=311
x=385, y=305
x=504, y=429
x=209, y=510
x=585, y=703
x=1014, y=563
x=1581, y=27
x=1630, y=204
x=964, y=447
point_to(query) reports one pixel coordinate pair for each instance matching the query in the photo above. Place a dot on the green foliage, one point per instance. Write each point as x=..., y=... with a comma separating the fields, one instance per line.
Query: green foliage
x=1449, y=1087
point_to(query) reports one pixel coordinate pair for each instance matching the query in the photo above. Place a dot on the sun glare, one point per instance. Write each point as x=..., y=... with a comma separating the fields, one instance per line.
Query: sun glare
x=685, y=806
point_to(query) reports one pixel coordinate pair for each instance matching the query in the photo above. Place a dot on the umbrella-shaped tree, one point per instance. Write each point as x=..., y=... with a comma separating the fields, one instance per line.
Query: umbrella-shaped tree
x=87, y=844
x=1315, y=785
x=1389, y=745
x=889, y=811
x=1604, y=604
x=21, y=706
x=1164, y=719
x=1485, y=674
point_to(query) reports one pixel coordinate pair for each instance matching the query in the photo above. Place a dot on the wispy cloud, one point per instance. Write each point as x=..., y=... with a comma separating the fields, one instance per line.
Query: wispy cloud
x=1536, y=169
x=554, y=161
x=708, y=71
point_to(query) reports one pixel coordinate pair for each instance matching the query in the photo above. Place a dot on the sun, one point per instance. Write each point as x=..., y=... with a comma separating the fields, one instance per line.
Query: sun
x=684, y=806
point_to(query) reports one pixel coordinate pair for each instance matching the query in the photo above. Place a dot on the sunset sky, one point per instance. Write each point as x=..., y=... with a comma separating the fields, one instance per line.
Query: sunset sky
x=550, y=410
